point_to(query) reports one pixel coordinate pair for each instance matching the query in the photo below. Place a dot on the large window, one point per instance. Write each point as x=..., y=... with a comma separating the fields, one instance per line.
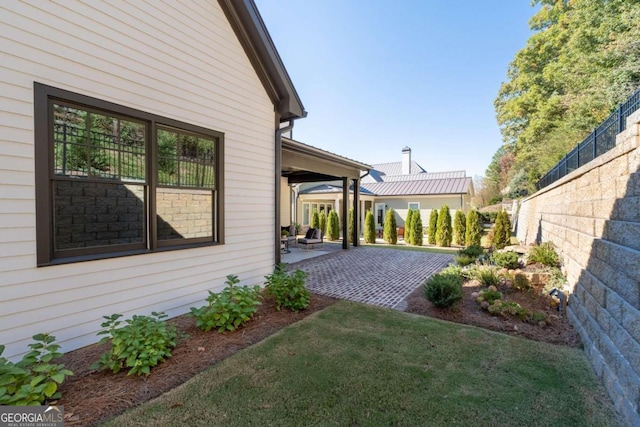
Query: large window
x=113, y=181
x=309, y=207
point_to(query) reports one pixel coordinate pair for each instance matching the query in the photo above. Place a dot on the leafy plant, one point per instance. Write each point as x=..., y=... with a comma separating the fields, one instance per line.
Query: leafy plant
x=416, y=229
x=507, y=259
x=443, y=289
x=459, y=227
x=433, y=227
x=463, y=260
x=502, y=230
x=489, y=296
x=333, y=226
x=369, y=228
x=142, y=343
x=473, y=229
x=521, y=282
x=408, y=226
x=289, y=291
x=352, y=226
x=323, y=222
x=229, y=309
x=444, y=232
x=472, y=251
x=488, y=276
x=34, y=380
x=315, y=219
x=544, y=254
x=508, y=308
x=390, y=232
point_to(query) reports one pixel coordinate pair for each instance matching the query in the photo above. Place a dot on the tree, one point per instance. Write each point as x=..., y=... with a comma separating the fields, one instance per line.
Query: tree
x=433, y=227
x=443, y=234
x=408, y=226
x=323, y=222
x=333, y=226
x=315, y=219
x=390, y=232
x=502, y=230
x=459, y=227
x=473, y=232
x=352, y=225
x=369, y=228
x=416, y=229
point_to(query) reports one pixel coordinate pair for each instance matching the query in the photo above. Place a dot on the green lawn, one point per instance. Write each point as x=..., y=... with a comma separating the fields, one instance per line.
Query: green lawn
x=354, y=364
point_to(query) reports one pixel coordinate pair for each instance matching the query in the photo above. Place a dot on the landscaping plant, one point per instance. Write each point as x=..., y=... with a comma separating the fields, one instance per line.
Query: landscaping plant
x=142, y=343
x=315, y=219
x=502, y=230
x=459, y=227
x=444, y=232
x=433, y=227
x=288, y=290
x=323, y=222
x=473, y=229
x=369, y=228
x=521, y=282
x=444, y=289
x=544, y=254
x=352, y=225
x=333, y=226
x=34, y=380
x=416, y=229
x=487, y=275
x=408, y=226
x=508, y=259
x=229, y=309
x=390, y=232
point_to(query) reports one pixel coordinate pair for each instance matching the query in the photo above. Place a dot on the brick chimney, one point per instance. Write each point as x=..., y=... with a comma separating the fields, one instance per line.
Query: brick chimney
x=406, y=161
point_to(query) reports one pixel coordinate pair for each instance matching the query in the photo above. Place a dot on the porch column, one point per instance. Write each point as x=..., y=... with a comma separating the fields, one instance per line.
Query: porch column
x=356, y=204
x=345, y=213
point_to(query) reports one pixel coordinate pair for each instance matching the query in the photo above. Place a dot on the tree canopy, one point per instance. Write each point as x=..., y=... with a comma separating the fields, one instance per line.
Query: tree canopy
x=582, y=60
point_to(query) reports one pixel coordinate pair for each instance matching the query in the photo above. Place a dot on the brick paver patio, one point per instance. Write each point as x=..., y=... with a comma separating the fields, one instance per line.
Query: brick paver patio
x=377, y=276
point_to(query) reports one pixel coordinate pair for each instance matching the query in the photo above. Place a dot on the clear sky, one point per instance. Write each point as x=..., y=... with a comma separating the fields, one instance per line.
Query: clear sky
x=379, y=75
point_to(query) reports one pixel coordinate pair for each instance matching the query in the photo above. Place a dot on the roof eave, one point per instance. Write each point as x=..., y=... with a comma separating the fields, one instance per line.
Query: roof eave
x=250, y=29
x=296, y=146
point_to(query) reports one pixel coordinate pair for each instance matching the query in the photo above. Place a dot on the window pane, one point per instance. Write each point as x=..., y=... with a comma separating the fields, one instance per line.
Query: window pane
x=184, y=214
x=70, y=141
x=185, y=160
x=89, y=214
x=305, y=214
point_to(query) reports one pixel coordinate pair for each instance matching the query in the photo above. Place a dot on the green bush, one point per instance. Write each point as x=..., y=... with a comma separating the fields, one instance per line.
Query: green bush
x=390, y=232
x=488, y=217
x=473, y=229
x=433, y=227
x=333, y=226
x=288, y=290
x=315, y=219
x=459, y=227
x=472, y=251
x=507, y=259
x=489, y=296
x=443, y=289
x=141, y=344
x=502, y=231
x=408, y=226
x=352, y=225
x=416, y=229
x=323, y=222
x=463, y=260
x=444, y=232
x=521, y=283
x=34, y=380
x=508, y=308
x=229, y=309
x=369, y=228
x=488, y=276
x=544, y=254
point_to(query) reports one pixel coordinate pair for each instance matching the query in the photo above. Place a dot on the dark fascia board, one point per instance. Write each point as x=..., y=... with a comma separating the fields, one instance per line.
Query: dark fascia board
x=250, y=29
x=302, y=148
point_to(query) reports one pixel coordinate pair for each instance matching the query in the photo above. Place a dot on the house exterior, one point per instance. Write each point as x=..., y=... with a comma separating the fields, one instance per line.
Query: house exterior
x=399, y=186
x=139, y=160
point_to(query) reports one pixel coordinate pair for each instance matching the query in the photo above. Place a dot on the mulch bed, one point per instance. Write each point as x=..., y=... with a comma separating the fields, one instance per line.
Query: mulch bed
x=91, y=397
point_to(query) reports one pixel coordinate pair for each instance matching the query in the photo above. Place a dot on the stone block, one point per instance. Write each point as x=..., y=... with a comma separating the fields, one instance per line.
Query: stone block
x=118, y=226
x=590, y=304
x=83, y=237
x=614, y=305
x=94, y=191
x=94, y=227
x=604, y=319
x=623, y=233
x=595, y=287
x=631, y=321
x=84, y=219
x=627, y=209
x=628, y=348
x=116, y=192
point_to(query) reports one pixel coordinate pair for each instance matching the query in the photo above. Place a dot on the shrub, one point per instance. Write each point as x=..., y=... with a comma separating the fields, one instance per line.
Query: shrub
x=333, y=226
x=473, y=229
x=141, y=344
x=433, y=227
x=288, y=290
x=459, y=228
x=416, y=229
x=352, y=225
x=488, y=276
x=315, y=219
x=489, y=296
x=390, y=233
x=229, y=309
x=34, y=380
x=488, y=217
x=443, y=289
x=521, y=283
x=463, y=260
x=369, y=228
x=544, y=254
x=498, y=232
x=323, y=222
x=452, y=269
x=472, y=251
x=507, y=259
x=444, y=232
x=507, y=308
x=408, y=226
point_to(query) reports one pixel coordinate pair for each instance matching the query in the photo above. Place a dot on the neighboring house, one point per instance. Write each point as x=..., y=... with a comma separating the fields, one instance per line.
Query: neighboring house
x=399, y=185
x=139, y=160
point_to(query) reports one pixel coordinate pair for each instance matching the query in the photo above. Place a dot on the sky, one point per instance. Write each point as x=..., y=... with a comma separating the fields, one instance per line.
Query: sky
x=379, y=75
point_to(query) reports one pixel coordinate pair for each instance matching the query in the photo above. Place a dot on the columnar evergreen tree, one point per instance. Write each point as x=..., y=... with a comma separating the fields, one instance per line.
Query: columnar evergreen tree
x=473, y=231
x=416, y=229
x=390, y=233
x=507, y=228
x=352, y=225
x=433, y=227
x=408, y=226
x=444, y=233
x=369, y=228
x=333, y=226
x=323, y=222
x=315, y=219
x=459, y=227
x=499, y=232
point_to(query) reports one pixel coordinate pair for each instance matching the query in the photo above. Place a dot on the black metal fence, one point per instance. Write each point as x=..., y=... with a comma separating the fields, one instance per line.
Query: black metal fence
x=598, y=142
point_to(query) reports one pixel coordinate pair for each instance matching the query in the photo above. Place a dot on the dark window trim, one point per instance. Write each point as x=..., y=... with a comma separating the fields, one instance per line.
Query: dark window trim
x=43, y=150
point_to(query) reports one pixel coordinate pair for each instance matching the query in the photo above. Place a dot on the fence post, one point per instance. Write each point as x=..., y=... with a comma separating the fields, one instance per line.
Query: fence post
x=621, y=122
x=595, y=149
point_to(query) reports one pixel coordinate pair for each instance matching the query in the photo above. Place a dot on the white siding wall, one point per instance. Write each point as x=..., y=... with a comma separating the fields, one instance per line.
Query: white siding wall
x=176, y=59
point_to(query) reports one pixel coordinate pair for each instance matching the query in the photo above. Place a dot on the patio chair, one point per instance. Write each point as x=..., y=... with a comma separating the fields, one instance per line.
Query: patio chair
x=313, y=237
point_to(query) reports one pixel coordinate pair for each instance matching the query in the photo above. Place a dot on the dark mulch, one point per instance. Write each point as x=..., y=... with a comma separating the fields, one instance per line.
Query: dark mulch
x=91, y=397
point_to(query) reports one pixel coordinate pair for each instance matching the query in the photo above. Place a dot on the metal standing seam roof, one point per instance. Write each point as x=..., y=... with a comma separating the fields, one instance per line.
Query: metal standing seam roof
x=420, y=187
x=395, y=168
x=425, y=176
x=328, y=188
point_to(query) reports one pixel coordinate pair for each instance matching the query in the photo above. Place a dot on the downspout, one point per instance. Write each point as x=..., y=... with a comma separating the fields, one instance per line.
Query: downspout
x=278, y=192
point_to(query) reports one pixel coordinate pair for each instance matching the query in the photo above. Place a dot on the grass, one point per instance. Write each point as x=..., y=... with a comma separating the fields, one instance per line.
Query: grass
x=353, y=364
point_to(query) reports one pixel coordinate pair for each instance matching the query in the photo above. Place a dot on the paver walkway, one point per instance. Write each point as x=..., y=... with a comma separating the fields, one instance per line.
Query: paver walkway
x=377, y=276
